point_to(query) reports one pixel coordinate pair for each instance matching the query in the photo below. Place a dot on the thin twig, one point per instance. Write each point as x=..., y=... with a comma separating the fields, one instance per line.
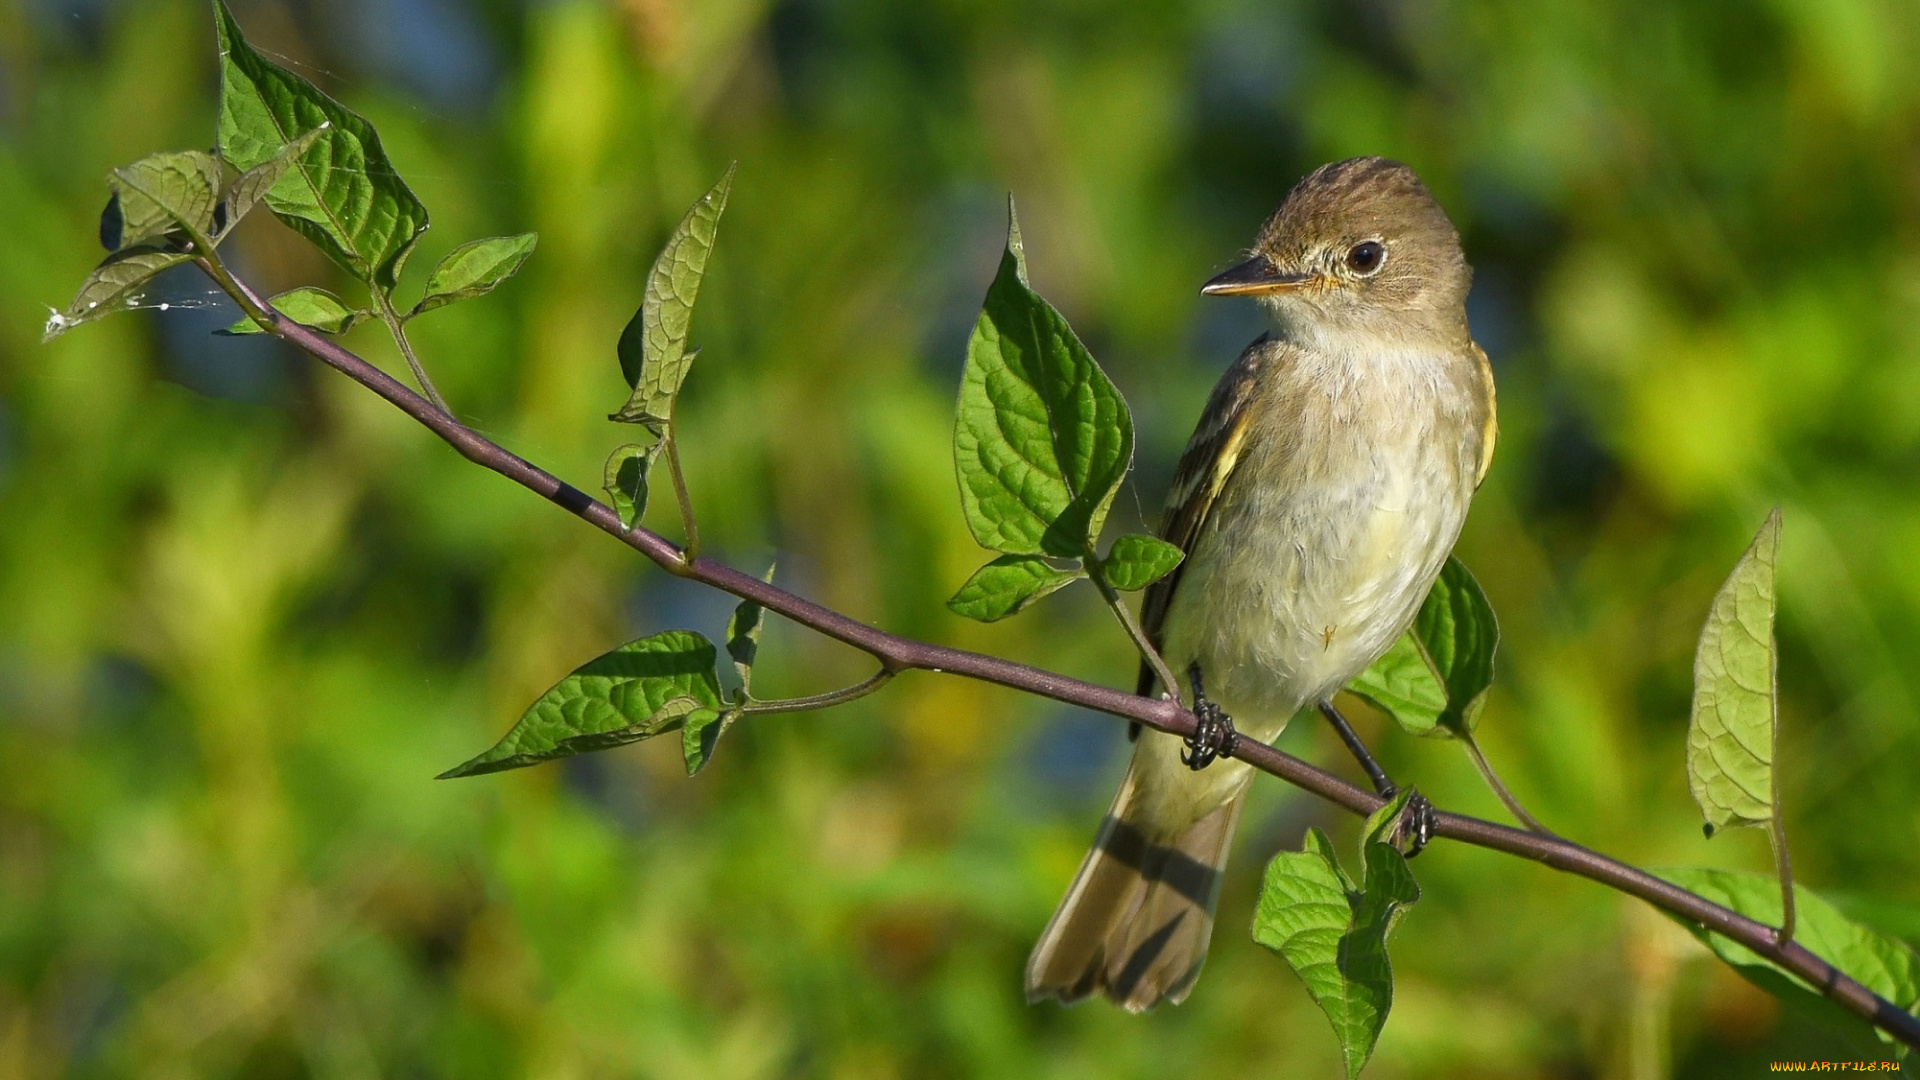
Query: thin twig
x=398, y=329
x=1500, y=789
x=897, y=654
x=820, y=701
x=1778, y=834
x=1152, y=655
x=692, y=550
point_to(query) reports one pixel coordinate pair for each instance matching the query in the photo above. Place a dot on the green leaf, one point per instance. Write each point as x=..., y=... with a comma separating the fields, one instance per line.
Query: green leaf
x=701, y=736
x=626, y=480
x=342, y=194
x=641, y=689
x=1434, y=680
x=743, y=637
x=114, y=285
x=1007, y=585
x=1135, y=561
x=474, y=269
x=1402, y=685
x=1459, y=633
x=653, y=347
x=254, y=183
x=310, y=306
x=1043, y=439
x=1883, y=964
x=1731, y=737
x=1335, y=936
x=159, y=196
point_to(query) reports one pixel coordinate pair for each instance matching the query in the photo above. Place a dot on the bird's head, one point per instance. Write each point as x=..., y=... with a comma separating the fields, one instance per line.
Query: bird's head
x=1356, y=240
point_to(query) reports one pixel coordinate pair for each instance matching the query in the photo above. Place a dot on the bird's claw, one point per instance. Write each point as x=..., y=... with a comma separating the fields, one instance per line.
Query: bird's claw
x=1213, y=735
x=1415, y=826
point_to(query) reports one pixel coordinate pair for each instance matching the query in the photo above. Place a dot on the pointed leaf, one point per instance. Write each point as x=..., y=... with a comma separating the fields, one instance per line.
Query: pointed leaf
x=253, y=185
x=1885, y=965
x=475, y=268
x=342, y=194
x=743, y=637
x=643, y=688
x=653, y=348
x=1136, y=561
x=159, y=196
x=1044, y=438
x=700, y=737
x=114, y=285
x=1007, y=585
x=1731, y=737
x=1335, y=937
x=1459, y=633
x=1016, y=244
x=308, y=306
x=1453, y=638
x=626, y=480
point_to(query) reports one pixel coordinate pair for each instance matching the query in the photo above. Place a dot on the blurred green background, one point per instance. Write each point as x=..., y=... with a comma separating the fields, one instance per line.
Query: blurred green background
x=247, y=611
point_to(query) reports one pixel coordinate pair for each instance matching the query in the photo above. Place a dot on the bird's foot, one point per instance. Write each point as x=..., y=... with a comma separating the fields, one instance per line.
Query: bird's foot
x=1415, y=825
x=1213, y=736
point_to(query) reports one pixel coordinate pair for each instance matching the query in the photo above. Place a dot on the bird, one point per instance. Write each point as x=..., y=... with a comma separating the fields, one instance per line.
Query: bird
x=1320, y=495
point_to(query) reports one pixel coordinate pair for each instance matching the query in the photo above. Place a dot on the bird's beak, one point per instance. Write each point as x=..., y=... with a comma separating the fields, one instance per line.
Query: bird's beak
x=1255, y=277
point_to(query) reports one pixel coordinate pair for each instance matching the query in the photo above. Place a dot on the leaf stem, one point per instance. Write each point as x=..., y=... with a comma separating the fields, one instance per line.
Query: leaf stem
x=397, y=327
x=897, y=654
x=1778, y=835
x=821, y=701
x=1499, y=788
x=210, y=263
x=1152, y=655
x=1777, y=829
x=692, y=550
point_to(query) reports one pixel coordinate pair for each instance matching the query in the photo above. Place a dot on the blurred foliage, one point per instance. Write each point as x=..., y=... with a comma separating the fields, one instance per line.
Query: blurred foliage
x=247, y=612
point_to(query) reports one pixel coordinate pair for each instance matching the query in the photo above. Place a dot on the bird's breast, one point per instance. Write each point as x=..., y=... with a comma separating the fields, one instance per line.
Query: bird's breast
x=1348, y=497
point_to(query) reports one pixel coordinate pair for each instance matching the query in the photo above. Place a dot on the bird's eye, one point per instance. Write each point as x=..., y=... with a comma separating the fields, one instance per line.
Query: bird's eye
x=1366, y=256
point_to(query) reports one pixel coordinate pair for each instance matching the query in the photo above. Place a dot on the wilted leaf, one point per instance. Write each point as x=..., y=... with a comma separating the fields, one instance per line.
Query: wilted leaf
x=254, y=183
x=1334, y=936
x=114, y=285
x=308, y=306
x=161, y=195
x=626, y=480
x=1135, y=561
x=342, y=194
x=1007, y=585
x=1453, y=639
x=1882, y=964
x=1730, y=739
x=653, y=347
x=641, y=689
x=474, y=269
x=1044, y=438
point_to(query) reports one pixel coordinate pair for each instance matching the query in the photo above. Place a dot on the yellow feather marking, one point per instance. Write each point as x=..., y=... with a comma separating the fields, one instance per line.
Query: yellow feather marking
x=1490, y=430
x=1229, y=455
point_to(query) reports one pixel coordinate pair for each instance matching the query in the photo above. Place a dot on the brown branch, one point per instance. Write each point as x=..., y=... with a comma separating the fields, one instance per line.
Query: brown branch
x=897, y=654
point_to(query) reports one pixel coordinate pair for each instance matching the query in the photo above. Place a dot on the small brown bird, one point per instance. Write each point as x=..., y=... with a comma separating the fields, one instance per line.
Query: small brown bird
x=1317, y=500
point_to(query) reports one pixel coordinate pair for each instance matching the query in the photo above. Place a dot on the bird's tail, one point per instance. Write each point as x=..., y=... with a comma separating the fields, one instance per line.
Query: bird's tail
x=1136, y=922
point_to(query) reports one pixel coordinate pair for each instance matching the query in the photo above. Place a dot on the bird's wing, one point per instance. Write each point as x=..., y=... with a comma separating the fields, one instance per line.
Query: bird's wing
x=1206, y=463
